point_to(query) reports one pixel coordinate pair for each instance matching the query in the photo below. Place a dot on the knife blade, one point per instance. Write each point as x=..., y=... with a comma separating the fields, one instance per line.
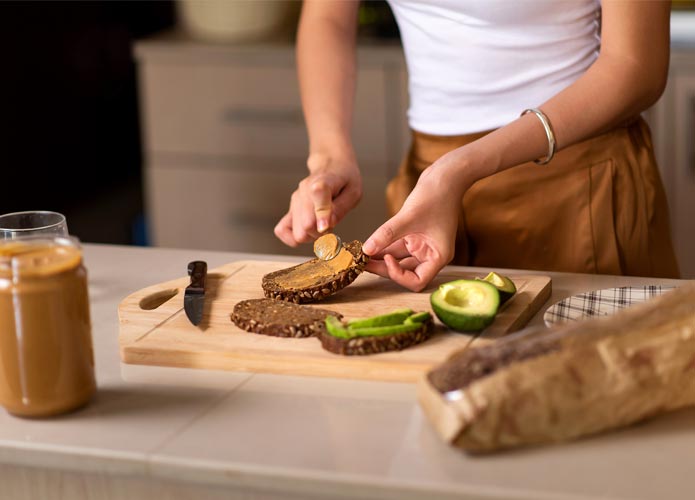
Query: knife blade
x=194, y=296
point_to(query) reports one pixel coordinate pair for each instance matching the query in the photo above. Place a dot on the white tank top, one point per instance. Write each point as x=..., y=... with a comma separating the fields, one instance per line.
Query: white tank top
x=474, y=65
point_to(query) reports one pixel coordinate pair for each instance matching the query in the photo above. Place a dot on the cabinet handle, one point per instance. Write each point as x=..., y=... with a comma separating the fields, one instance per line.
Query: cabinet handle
x=263, y=116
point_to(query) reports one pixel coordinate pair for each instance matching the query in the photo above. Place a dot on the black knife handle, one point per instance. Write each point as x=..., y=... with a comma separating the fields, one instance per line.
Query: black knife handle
x=197, y=271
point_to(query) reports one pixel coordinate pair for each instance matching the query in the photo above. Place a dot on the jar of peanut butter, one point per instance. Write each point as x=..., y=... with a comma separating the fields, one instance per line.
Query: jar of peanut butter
x=46, y=356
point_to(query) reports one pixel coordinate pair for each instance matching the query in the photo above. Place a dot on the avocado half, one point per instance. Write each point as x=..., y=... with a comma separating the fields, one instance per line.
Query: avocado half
x=466, y=305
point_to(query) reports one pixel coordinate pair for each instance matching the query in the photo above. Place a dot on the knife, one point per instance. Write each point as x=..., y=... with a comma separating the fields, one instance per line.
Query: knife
x=194, y=297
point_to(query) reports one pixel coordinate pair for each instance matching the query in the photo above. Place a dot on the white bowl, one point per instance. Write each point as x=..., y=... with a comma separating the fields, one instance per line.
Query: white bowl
x=236, y=20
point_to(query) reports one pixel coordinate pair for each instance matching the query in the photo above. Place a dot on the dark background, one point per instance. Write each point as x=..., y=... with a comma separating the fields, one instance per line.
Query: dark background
x=69, y=132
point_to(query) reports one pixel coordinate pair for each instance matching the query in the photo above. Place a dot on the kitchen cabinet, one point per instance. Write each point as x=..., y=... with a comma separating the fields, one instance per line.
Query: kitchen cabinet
x=225, y=142
x=672, y=121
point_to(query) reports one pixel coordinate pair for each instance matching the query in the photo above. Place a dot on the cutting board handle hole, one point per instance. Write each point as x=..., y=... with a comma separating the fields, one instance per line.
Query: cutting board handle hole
x=154, y=300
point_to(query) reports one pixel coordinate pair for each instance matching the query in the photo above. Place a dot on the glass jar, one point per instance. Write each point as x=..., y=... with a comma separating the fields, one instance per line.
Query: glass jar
x=46, y=355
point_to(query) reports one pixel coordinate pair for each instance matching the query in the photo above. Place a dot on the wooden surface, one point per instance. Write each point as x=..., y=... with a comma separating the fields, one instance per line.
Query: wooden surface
x=164, y=336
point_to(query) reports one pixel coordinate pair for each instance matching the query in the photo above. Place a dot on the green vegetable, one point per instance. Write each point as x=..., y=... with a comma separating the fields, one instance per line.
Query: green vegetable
x=376, y=331
x=396, y=317
x=336, y=328
x=418, y=318
x=505, y=285
x=466, y=305
x=399, y=321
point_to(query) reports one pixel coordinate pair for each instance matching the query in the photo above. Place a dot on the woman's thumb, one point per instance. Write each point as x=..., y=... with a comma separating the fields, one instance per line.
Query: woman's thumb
x=322, y=198
x=382, y=237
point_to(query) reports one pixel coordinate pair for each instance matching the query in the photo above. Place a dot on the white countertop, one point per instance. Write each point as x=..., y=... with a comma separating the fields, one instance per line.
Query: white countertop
x=310, y=437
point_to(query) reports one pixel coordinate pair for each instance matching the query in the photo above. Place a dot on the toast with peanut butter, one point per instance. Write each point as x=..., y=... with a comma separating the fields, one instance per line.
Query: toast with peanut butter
x=316, y=279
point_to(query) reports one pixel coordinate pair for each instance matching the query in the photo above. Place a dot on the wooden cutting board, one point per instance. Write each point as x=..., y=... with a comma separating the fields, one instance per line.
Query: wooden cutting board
x=163, y=336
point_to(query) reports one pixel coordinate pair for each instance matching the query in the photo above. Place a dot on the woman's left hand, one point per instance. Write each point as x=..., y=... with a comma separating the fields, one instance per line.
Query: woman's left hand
x=414, y=245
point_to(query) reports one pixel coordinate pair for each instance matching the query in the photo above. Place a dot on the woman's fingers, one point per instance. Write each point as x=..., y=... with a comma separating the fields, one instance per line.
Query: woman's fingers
x=292, y=232
x=409, y=272
x=304, y=224
x=409, y=263
x=347, y=199
x=383, y=237
x=332, y=198
x=397, y=249
x=377, y=267
x=283, y=230
x=321, y=195
x=322, y=199
x=299, y=224
x=416, y=279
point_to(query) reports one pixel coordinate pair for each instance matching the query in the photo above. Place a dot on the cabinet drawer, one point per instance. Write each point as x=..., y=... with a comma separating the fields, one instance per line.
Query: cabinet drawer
x=242, y=109
x=237, y=209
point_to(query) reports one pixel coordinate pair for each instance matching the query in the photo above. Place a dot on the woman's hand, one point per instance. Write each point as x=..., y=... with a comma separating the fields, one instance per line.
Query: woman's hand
x=412, y=246
x=326, y=68
x=332, y=189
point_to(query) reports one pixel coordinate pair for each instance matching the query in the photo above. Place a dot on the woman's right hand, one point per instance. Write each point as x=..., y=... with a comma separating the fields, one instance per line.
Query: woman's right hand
x=332, y=188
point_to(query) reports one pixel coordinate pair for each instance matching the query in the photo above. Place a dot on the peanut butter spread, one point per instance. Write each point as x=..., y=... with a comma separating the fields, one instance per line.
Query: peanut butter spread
x=316, y=271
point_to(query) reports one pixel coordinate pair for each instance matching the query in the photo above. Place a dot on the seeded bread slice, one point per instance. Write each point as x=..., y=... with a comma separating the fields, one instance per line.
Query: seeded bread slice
x=358, y=346
x=280, y=319
x=320, y=282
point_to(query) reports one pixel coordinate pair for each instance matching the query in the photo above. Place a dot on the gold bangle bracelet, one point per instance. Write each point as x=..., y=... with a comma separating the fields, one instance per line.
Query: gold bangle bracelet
x=548, y=132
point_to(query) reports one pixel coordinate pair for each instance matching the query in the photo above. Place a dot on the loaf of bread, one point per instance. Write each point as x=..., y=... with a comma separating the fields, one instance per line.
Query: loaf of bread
x=547, y=385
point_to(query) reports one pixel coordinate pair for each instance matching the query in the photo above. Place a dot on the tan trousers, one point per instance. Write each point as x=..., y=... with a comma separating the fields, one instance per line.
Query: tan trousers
x=597, y=207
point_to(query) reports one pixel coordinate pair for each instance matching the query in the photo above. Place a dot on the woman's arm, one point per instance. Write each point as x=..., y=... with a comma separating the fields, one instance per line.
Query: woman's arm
x=326, y=67
x=628, y=76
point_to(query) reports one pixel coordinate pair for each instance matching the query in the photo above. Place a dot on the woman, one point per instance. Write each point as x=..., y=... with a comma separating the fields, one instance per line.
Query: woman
x=496, y=84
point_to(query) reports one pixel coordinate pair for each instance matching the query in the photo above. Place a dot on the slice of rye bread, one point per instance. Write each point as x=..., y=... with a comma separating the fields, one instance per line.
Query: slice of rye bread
x=280, y=319
x=359, y=346
x=275, y=287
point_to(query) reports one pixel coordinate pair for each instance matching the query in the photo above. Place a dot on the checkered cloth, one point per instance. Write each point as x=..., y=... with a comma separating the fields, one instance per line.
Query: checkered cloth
x=601, y=302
